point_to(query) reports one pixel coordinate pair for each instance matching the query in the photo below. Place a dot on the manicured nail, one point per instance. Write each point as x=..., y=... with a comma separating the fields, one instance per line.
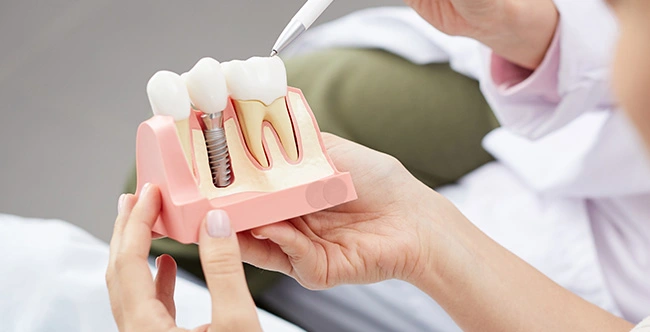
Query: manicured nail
x=158, y=261
x=218, y=224
x=120, y=203
x=145, y=189
x=259, y=237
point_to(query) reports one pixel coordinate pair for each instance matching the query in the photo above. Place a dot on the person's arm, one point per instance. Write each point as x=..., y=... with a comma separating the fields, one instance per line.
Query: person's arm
x=573, y=76
x=519, y=31
x=484, y=287
x=569, y=96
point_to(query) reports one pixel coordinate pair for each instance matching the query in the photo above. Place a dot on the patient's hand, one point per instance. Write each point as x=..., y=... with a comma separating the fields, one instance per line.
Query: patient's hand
x=384, y=234
x=140, y=303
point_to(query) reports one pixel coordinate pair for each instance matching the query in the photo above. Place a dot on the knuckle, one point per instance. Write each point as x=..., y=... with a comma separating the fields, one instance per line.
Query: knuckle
x=222, y=263
x=108, y=277
x=122, y=263
x=394, y=163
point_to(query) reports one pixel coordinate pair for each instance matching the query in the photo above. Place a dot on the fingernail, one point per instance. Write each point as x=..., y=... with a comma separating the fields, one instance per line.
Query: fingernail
x=120, y=203
x=158, y=261
x=145, y=189
x=259, y=237
x=218, y=224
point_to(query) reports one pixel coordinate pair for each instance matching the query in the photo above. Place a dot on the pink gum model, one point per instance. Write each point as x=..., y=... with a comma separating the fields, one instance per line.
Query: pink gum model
x=161, y=161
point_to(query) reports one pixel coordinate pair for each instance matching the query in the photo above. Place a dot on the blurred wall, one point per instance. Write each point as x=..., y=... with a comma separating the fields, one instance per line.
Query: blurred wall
x=72, y=88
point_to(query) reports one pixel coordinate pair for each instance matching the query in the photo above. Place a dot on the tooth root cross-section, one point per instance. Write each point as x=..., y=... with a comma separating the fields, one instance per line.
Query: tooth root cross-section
x=252, y=114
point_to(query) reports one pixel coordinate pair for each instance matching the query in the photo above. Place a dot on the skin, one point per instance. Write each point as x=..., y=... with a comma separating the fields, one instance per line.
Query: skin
x=398, y=228
x=518, y=30
x=142, y=303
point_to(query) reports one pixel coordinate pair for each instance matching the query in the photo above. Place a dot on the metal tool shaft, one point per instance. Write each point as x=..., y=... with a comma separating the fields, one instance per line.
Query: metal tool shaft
x=217, y=145
x=290, y=33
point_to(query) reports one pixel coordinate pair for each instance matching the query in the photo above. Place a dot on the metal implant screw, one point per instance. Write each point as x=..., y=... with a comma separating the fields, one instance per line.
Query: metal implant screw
x=217, y=146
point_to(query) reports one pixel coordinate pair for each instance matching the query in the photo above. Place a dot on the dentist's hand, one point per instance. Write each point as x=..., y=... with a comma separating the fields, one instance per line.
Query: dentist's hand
x=519, y=31
x=387, y=233
x=141, y=303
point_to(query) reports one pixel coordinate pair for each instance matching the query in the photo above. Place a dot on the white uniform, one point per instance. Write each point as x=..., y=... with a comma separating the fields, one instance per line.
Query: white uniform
x=574, y=201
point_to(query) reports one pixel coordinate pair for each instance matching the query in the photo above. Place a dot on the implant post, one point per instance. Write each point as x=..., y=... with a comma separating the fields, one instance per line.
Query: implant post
x=217, y=146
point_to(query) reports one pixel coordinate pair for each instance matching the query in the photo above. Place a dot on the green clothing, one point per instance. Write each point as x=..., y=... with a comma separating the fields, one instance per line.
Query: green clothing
x=429, y=117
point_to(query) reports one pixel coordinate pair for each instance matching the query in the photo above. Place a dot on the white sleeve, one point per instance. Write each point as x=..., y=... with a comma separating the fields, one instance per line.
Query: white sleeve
x=572, y=79
x=562, y=131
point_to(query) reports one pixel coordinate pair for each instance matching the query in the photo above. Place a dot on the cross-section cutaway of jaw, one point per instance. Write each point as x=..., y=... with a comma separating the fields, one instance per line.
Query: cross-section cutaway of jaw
x=258, y=87
x=256, y=107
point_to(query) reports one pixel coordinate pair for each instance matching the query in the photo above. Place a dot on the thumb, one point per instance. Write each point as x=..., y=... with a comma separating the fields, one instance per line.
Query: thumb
x=233, y=308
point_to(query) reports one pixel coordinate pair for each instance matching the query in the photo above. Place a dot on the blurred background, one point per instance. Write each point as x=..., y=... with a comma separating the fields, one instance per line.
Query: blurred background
x=73, y=78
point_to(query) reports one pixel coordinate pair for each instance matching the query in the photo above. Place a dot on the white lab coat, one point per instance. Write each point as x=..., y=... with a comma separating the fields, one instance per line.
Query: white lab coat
x=570, y=191
x=52, y=279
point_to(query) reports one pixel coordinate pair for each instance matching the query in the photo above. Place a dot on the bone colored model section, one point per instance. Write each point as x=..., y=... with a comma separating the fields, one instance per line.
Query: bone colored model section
x=168, y=96
x=314, y=164
x=258, y=86
x=252, y=115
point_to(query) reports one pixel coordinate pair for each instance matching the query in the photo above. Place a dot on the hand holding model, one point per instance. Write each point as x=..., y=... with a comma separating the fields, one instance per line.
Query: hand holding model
x=386, y=233
x=141, y=303
x=401, y=229
x=398, y=228
x=519, y=31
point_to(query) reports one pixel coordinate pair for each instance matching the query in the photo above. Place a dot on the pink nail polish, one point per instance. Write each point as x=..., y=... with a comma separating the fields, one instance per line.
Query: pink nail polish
x=218, y=224
x=120, y=203
x=158, y=262
x=145, y=189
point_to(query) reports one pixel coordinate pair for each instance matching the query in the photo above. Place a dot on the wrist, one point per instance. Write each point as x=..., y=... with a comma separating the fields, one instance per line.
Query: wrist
x=444, y=244
x=525, y=33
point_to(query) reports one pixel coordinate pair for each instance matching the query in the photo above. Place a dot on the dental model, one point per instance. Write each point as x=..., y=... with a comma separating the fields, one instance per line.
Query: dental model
x=274, y=160
x=258, y=87
x=168, y=96
x=208, y=91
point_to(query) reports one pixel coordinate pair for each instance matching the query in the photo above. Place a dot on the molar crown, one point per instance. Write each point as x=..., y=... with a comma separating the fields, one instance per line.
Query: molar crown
x=258, y=78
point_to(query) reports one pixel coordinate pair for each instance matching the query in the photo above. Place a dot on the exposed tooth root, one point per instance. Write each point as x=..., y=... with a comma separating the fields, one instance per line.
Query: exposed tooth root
x=252, y=115
x=278, y=116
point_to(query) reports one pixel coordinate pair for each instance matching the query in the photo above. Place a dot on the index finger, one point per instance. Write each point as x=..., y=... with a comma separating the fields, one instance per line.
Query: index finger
x=132, y=266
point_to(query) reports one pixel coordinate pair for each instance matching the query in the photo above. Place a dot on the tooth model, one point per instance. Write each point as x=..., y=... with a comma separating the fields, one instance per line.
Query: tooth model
x=206, y=85
x=279, y=168
x=168, y=96
x=258, y=87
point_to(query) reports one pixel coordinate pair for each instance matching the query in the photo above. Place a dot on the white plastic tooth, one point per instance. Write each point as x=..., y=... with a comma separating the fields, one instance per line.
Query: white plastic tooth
x=184, y=77
x=258, y=87
x=258, y=78
x=206, y=85
x=168, y=96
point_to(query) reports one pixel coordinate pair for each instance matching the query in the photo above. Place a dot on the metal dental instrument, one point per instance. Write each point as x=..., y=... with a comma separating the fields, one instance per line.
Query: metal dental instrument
x=305, y=17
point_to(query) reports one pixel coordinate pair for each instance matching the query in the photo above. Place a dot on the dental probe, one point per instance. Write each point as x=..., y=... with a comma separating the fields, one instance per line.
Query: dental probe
x=305, y=17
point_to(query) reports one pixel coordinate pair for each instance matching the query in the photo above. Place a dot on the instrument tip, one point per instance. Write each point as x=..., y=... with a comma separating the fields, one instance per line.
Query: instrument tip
x=274, y=53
